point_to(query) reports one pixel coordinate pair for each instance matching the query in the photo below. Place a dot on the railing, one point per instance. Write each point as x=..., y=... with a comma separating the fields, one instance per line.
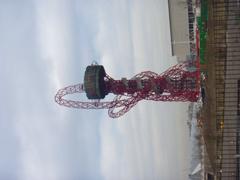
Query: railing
x=226, y=28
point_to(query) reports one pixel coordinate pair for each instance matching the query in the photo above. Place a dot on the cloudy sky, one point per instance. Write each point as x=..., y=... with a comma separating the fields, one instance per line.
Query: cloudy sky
x=46, y=45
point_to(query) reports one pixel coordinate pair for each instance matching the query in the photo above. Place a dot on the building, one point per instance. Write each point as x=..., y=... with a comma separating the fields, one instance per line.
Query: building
x=181, y=25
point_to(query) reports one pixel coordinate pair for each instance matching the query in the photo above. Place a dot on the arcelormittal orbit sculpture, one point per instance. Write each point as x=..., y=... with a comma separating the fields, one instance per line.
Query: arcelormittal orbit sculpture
x=179, y=83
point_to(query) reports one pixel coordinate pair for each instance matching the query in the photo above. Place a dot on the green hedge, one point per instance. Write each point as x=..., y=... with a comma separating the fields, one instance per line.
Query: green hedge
x=202, y=26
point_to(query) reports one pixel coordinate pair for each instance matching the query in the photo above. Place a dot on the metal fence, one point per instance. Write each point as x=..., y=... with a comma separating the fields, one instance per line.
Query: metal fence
x=226, y=25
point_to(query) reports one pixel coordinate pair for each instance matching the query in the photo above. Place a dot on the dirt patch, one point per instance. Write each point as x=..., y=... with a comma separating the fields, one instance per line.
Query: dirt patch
x=208, y=113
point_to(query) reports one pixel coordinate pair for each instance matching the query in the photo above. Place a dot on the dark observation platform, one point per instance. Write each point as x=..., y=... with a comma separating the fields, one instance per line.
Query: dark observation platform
x=94, y=83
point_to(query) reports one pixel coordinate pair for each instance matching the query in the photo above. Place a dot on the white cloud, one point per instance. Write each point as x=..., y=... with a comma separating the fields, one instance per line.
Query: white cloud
x=53, y=31
x=47, y=141
x=143, y=144
x=46, y=45
x=147, y=143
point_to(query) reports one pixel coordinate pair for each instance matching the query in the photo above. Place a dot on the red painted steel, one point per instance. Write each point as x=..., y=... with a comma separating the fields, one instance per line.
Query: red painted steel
x=178, y=83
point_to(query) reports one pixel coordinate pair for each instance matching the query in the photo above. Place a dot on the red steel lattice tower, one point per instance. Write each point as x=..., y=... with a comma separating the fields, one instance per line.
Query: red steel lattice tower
x=178, y=83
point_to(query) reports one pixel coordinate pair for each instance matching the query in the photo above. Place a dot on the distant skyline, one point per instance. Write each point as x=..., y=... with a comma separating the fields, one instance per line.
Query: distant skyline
x=46, y=45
